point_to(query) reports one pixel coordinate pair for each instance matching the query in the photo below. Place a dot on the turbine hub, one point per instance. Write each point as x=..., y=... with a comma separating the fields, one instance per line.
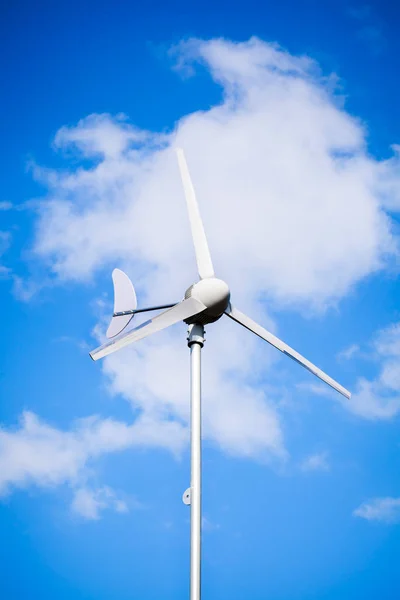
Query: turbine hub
x=214, y=294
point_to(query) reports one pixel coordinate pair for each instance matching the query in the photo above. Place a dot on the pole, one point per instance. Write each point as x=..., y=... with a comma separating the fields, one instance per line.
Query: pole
x=195, y=343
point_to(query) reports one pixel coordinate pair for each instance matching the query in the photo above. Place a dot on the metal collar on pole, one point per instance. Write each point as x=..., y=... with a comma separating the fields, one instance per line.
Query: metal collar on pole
x=195, y=334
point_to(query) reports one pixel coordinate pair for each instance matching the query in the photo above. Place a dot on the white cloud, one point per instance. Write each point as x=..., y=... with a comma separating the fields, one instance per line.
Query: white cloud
x=90, y=503
x=279, y=159
x=386, y=510
x=379, y=398
x=5, y=205
x=316, y=462
x=282, y=174
x=5, y=242
x=235, y=416
x=39, y=454
x=389, y=180
x=349, y=352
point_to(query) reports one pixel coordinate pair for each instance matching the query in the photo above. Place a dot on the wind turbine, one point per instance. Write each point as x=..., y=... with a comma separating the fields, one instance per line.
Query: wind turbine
x=204, y=302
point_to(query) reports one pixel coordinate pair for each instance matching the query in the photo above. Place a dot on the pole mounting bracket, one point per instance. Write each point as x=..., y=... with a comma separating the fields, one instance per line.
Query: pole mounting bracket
x=195, y=334
x=187, y=496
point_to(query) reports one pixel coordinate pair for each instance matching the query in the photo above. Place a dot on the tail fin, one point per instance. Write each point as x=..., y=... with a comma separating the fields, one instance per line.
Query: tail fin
x=124, y=299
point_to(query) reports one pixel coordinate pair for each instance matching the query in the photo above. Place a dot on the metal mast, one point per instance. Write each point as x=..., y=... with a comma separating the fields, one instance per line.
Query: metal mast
x=192, y=496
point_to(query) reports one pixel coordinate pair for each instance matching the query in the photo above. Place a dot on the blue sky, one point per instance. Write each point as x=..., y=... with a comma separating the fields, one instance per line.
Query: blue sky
x=288, y=115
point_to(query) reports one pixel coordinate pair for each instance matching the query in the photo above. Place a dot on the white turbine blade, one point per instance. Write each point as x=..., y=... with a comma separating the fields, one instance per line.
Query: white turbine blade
x=239, y=317
x=124, y=299
x=179, y=312
x=204, y=264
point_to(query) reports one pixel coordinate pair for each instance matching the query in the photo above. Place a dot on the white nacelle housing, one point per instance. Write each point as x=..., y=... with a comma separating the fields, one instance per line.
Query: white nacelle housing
x=213, y=293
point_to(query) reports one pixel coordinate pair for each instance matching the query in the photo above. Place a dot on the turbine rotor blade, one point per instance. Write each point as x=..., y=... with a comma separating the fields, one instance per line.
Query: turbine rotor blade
x=203, y=258
x=179, y=312
x=251, y=325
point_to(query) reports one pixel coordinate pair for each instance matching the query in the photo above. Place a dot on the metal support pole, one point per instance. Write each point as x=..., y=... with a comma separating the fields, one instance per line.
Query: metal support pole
x=195, y=343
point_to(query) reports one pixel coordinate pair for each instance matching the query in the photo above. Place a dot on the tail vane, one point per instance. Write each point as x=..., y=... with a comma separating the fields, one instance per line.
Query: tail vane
x=179, y=312
x=124, y=300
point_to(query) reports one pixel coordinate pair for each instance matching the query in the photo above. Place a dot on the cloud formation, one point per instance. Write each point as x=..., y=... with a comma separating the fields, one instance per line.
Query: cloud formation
x=296, y=210
x=349, y=352
x=316, y=462
x=5, y=241
x=279, y=160
x=379, y=398
x=89, y=503
x=39, y=454
x=386, y=510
